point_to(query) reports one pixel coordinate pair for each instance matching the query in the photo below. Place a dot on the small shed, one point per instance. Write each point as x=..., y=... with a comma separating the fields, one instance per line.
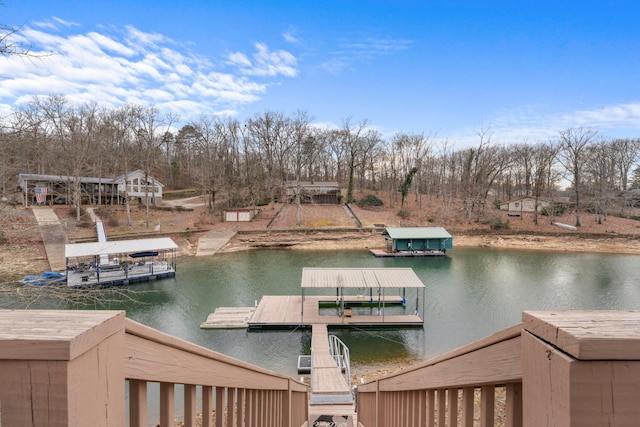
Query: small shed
x=524, y=204
x=425, y=239
x=239, y=215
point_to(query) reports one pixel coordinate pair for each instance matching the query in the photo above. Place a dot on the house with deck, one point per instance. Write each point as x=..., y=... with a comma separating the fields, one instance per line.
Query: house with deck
x=415, y=241
x=39, y=189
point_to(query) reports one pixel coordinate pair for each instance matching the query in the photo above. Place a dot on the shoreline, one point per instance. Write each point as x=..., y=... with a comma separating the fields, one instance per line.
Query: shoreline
x=19, y=260
x=583, y=243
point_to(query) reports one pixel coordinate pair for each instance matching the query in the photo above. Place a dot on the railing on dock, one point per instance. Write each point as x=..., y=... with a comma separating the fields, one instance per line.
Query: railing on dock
x=340, y=353
x=575, y=368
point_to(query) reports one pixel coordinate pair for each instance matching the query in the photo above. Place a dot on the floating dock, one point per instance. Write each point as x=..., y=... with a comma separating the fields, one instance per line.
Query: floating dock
x=400, y=254
x=286, y=312
x=228, y=318
x=369, y=307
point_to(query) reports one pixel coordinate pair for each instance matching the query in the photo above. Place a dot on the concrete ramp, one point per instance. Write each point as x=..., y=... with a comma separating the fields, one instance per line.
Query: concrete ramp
x=53, y=235
x=213, y=241
x=102, y=237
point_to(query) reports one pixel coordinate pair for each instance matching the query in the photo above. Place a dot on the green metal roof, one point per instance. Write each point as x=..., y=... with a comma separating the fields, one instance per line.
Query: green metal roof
x=416, y=233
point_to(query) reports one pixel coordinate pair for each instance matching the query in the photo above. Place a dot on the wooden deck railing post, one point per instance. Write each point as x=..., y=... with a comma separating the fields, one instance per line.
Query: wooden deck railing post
x=581, y=368
x=62, y=368
x=137, y=403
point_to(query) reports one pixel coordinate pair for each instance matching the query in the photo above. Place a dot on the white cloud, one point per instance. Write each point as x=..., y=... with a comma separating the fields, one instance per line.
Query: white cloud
x=291, y=37
x=54, y=24
x=538, y=123
x=612, y=116
x=113, y=67
x=362, y=49
x=265, y=62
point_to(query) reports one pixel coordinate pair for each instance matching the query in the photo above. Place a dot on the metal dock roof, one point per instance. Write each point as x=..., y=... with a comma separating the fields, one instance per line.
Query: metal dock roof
x=360, y=278
x=417, y=233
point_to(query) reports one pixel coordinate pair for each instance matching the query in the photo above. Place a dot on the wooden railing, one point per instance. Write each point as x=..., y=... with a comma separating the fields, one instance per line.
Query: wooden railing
x=572, y=368
x=244, y=395
x=70, y=368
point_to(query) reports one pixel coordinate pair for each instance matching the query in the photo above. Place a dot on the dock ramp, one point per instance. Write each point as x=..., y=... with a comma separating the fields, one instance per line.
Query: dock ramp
x=102, y=237
x=331, y=397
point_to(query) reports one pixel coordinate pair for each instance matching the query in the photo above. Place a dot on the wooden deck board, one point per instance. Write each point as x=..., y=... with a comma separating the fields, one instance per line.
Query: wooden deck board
x=278, y=311
x=326, y=376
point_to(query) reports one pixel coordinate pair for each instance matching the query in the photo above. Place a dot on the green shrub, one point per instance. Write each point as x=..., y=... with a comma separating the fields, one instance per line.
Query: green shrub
x=498, y=224
x=369, y=200
x=497, y=203
x=430, y=219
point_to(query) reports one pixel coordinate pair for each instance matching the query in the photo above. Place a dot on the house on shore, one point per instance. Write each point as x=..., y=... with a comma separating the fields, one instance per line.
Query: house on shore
x=38, y=189
x=327, y=192
x=138, y=186
x=414, y=241
x=524, y=204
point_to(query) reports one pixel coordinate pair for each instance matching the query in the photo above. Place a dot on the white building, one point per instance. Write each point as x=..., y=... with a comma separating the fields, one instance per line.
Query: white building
x=525, y=204
x=139, y=187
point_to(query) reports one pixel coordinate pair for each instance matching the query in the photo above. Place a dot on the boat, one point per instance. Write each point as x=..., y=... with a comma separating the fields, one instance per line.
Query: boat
x=120, y=262
x=46, y=278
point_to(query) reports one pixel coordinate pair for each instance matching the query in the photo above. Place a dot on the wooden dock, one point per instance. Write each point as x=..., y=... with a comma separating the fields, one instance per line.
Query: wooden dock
x=285, y=312
x=331, y=398
x=228, y=318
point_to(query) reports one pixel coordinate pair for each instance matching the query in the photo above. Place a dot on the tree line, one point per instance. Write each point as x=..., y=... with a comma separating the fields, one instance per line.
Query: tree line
x=238, y=163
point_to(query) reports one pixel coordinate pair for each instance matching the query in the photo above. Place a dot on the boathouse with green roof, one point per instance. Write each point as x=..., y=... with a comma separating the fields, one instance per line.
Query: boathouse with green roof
x=417, y=239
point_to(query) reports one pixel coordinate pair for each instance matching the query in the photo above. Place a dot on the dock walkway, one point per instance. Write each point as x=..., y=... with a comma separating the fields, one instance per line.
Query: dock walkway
x=331, y=398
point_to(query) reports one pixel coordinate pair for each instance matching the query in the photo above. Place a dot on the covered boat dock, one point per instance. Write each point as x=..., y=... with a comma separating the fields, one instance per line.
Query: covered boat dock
x=414, y=241
x=127, y=261
x=337, y=297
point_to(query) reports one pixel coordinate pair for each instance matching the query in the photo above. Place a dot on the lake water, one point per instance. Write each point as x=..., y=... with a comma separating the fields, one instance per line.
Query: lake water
x=469, y=294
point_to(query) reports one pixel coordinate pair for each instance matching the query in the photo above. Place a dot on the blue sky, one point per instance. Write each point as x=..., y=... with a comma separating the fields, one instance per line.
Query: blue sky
x=523, y=70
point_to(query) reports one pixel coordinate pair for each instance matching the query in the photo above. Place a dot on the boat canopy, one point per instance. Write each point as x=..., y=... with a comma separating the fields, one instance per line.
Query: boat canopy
x=118, y=247
x=360, y=278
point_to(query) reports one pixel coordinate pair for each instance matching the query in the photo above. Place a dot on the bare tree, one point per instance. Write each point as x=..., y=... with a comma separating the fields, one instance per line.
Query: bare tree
x=10, y=43
x=573, y=156
x=150, y=126
x=354, y=147
x=271, y=132
x=625, y=153
x=544, y=155
x=481, y=167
